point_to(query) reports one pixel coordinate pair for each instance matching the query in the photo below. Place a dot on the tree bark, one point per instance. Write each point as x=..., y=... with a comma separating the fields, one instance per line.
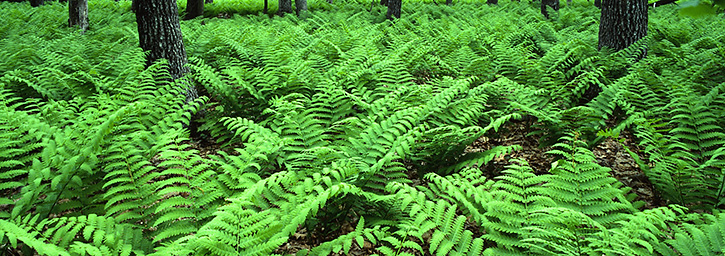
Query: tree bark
x=622, y=23
x=194, y=8
x=554, y=4
x=285, y=6
x=78, y=14
x=394, y=9
x=36, y=3
x=159, y=34
x=300, y=7
x=266, y=6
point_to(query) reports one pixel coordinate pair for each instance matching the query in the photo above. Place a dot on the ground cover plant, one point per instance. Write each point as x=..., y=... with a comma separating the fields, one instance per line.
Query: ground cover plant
x=344, y=133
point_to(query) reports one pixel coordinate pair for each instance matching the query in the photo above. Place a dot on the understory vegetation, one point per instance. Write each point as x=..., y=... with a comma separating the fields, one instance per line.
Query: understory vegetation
x=349, y=127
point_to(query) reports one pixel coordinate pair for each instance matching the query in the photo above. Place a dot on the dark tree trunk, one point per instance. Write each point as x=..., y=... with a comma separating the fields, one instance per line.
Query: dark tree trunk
x=394, y=9
x=36, y=3
x=78, y=14
x=285, y=6
x=159, y=34
x=492, y=1
x=622, y=23
x=194, y=8
x=554, y=4
x=208, y=1
x=266, y=6
x=300, y=7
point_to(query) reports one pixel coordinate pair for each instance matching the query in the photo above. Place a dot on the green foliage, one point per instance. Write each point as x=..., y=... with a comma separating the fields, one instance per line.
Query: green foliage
x=362, y=131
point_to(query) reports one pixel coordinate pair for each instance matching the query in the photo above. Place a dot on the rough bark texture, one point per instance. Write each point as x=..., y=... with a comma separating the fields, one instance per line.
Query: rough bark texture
x=36, y=3
x=285, y=6
x=394, y=9
x=194, y=8
x=78, y=14
x=159, y=33
x=300, y=7
x=554, y=4
x=622, y=23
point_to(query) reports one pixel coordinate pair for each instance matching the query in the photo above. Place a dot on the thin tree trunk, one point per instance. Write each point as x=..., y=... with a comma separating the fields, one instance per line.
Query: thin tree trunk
x=285, y=6
x=554, y=4
x=159, y=34
x=36, y=3
x=300, y=7
x=194, y=8
x=78, y=14
x=622, y=23
x=394, y=9
x=266, y=6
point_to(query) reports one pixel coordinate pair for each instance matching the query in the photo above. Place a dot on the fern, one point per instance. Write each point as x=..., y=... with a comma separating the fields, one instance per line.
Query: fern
x=515, y=198
x=447, y=233
x=578, y=183
x=700, y=239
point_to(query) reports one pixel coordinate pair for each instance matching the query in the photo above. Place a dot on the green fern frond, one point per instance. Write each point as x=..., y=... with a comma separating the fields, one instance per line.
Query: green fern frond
x=700, y=239
x=516, y=196
x=580, y=184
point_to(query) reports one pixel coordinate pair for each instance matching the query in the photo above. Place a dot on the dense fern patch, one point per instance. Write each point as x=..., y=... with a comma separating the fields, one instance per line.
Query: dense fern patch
x=359, y=127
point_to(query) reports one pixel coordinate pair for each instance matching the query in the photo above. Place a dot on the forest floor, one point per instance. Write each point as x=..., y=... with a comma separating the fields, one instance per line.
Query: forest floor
x=609, y=153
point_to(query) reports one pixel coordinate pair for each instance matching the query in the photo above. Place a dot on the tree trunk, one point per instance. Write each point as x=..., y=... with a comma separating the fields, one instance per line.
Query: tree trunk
x=159, y=34
x=622, y=23
x=554, y=4
x=394, y=9
x=194, y=8
x=78, y=14
x=285, y=6
x=266, y=6
x=300, y=7
x=36, y=3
